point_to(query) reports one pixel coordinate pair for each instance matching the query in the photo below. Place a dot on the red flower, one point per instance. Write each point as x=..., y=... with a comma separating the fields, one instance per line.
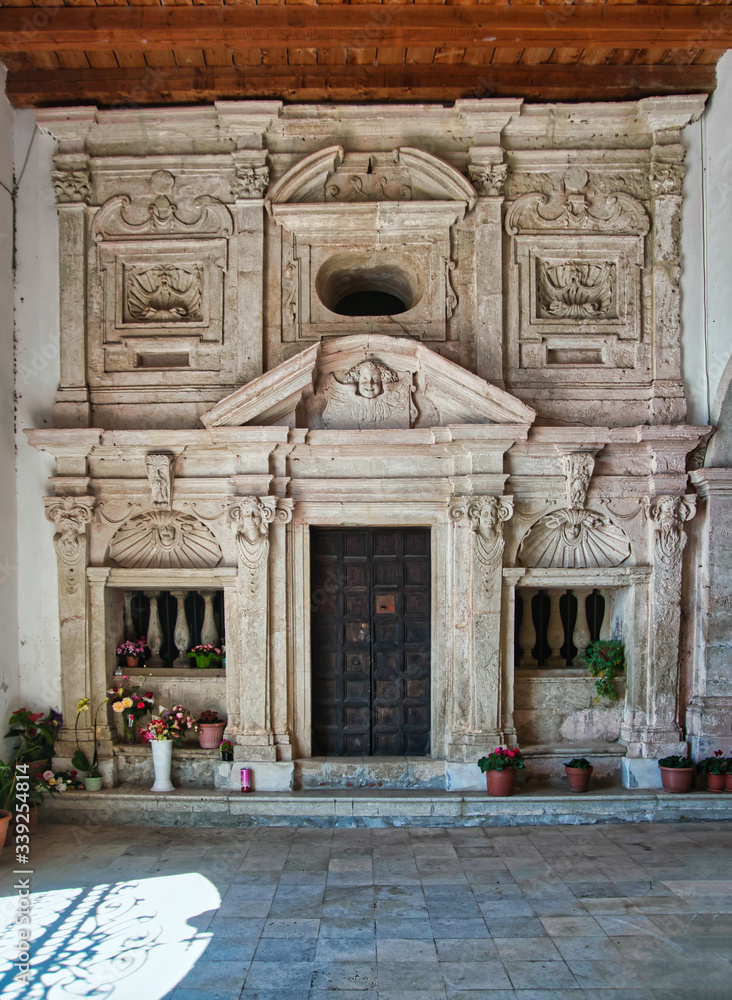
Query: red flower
x=718, y=753
x=141, y=704
x=35, y=716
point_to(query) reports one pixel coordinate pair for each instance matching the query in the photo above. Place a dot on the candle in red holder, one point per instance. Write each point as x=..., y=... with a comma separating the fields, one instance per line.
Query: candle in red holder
x=246, y=779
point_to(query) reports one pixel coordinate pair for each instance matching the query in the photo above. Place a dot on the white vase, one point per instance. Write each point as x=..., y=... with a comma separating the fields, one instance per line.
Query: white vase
x=162, y=755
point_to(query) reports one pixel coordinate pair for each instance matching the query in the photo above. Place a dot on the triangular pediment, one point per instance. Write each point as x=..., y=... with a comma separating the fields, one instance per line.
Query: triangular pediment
x=368, y=382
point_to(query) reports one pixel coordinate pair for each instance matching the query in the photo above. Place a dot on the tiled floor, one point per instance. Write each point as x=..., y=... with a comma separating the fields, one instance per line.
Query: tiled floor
x=619, y=912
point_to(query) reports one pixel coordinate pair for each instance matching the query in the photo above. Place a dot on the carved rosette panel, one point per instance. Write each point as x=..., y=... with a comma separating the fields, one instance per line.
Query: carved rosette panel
x=487, y=516
x=71, y=186
x=576, y=290
x=162, y=293
x=164, y=539
x=668, y=515
x=578, y=468
x=159, y=469
x=574, y=539
x=71, y=516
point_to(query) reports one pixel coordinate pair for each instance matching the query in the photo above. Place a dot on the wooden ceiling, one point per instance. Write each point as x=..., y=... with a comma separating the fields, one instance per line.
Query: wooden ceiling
x=146, y=52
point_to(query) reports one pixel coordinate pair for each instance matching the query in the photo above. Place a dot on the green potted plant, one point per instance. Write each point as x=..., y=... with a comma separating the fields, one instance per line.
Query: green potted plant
x=210, y=729
x=89, y=768
x=605, y=660
x=205, y=656
x=7, y=798
x=715, y=769
x=500, y=768
x=132, y=651
x=227, y=750
x=677, y=773
x=578, y=771
x=36, y=735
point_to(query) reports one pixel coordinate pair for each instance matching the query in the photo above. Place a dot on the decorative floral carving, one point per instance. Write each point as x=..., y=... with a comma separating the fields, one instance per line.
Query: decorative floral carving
x=159, y=469
x=71, y=186
x=164, y=539
x=163, y=293
x=488, y=179
x=451, y=297
x=576, y=290
x=666, y=178
x=576, y=209
x=367, y=187
x=70, y=515
x=668, y=514
x=161, y=216
x=578, y=468
x=251, y=181
x=251, y=518
x=575, y=539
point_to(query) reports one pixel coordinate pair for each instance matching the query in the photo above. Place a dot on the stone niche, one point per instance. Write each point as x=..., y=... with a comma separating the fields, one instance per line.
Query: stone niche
x=519, y=395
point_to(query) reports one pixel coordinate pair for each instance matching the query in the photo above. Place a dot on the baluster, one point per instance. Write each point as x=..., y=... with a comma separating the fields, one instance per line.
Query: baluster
x=555, y=630
x=527, y=631
x=129, y=624
x=607, y=619
x=581, y=637
x=154, y=631
x=209, y=633
x=182, y=634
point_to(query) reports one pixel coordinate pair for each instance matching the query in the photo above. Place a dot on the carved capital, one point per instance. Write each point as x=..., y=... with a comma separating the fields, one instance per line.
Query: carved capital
x=578, y=468
x=71, y=186
x=251, y=518
x=488, y=179
x=251, y=181
x=487, y=515
x=159, y=468
x=668, y=514
x=666, y=178
x=71, y=516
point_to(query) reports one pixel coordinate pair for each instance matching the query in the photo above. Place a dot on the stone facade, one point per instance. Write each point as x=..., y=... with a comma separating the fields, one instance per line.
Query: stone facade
x=525, y=404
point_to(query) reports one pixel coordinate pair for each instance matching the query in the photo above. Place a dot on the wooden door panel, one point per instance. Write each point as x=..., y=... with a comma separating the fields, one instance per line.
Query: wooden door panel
x=371, y=641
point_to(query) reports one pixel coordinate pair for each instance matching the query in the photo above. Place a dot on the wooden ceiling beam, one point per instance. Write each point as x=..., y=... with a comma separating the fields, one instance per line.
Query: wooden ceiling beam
x=63, y=29
x=133, y=87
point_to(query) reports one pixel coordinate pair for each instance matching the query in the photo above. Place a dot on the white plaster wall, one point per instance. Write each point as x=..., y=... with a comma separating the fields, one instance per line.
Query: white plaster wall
x=706, y=245
x=37, y=375
x=8, y=557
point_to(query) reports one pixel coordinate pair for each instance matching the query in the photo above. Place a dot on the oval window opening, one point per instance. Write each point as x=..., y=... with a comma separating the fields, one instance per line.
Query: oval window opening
x=370, y=302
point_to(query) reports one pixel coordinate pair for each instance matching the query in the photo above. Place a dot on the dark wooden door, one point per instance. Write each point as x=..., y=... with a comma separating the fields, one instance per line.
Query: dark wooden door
x=370, y=639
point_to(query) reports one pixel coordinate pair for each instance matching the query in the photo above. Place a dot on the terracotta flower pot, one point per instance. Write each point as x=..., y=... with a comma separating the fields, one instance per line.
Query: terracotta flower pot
x=501, y=782
x=728, y=782
x=210, y=734
x=5, y=818
x=578, y=778
x=716, y=782
x=676, y=779
x=132, y=661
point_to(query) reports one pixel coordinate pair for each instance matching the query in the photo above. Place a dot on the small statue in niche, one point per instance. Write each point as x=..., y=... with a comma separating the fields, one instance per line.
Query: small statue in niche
x=160, y=476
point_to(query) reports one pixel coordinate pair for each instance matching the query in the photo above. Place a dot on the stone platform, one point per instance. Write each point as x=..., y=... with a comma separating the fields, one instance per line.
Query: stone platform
x=129, y=804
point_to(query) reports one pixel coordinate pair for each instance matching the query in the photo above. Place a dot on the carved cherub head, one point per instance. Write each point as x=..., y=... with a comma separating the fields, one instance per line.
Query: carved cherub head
x=369, y=378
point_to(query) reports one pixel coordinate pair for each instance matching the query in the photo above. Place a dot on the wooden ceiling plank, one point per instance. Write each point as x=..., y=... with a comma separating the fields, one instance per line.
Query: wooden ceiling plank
x=507, y=56
x=160, y=58
x=131, y=60
x=101, y=60
x=332, y=56
x=302, y=57
x=219, y=55
x=449, y=56
x=247, y=57
x=73, y=60
x=708, y=57
x=587, y=25
x=361, y=57
x=417, y=54
x=566, y=56
x=189, y=57
x=536, y=56
x=390, y=56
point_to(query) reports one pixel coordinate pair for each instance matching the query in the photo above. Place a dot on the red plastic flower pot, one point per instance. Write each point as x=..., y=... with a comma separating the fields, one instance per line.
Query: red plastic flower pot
x=676, y=779
x=501, y=782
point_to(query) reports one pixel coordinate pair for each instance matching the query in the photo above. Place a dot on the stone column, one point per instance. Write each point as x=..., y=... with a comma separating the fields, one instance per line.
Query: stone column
x=71, y=515
x=182, y=633
x=663, y=733
x=488, y=175
x=209, y=632
x=72, y=186
x=154, y=631
x=281, y=667
x=478, y=553
x=709, y=711
x=102, y=657
x=248, y=633
x=250, y=184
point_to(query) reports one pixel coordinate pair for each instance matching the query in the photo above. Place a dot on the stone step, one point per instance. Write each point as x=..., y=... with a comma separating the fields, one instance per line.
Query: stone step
x=136, y=806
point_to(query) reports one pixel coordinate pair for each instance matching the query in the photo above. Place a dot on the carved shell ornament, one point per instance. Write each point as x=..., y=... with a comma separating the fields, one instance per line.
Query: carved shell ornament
x=164, y=539
x=574, y=539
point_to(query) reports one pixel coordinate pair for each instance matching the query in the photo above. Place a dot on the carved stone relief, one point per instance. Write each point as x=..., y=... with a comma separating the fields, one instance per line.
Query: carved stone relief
x=578, y=468
x=71, y=516
x=162, y=293
x=488, y=179
x=577, y=290
x=369, y=395
x=164, y=539
x=251, y=518
x=251, y=181
x=577, y=209
x=668, y=514
x=487, y=516
x=575, y=539
x=451, y=297
x=71, y=186
x=118, y=217
x=368, y=187
x=159, y=469
x=666, y=178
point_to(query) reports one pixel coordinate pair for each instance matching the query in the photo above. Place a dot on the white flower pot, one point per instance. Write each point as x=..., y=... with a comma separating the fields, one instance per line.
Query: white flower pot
x=162, y=755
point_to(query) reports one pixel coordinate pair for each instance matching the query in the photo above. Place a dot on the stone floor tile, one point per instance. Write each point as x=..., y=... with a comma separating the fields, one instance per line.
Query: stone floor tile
x=291, y=927
x=500, y=908
x=594, y=974
x=234, y=926
x=480, y=995
x=585, y=926
x=474, y=975
x=221, y=975
x=345, y=949
x=318, y=994
x=215, y=993
x=412, y=929
x=466, y=950
x=286, y=949
x=279, y=975
x=433, y=994
x=405, y=950
x=541, y=975
x=515, y=927
x=408, y=976
x=361, y=927
x=629, y=924
x=230, y=949
x=453, y=928
x=526, y=949
x=595, y=948
x=333, y=976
